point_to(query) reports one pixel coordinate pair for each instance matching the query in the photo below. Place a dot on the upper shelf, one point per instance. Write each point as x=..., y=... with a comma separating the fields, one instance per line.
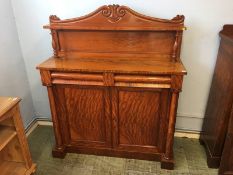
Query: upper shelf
x=139, y=66
x=115, y=17
x=6, y=134
x=115, y=32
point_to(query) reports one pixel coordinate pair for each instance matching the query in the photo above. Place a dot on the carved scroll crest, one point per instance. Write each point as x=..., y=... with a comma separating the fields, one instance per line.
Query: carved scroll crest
x=113, y=12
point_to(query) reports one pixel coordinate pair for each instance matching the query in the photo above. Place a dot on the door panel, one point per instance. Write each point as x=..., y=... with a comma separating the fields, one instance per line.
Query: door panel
x=88, y=121
x=139, y=114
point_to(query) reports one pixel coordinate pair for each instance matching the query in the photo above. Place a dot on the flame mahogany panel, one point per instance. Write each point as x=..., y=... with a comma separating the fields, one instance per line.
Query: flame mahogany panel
x=87, y=119
x=113, y=84
x=118, y=42
x=140, y=113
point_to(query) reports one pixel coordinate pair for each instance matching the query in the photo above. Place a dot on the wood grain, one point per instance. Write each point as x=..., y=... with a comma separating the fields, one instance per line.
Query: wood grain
x=6, y=135
x=226, y=164
x=135, y=66
x=6, y=103
x=117, y=42
x=22, y=137
x=12, y=152
x=12, y=168
x=138, y=119
x=87, y=119
x=7, y=122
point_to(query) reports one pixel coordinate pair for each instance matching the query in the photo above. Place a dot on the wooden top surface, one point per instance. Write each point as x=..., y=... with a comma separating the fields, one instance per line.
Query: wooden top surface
x=116, y=66
x=6, y=103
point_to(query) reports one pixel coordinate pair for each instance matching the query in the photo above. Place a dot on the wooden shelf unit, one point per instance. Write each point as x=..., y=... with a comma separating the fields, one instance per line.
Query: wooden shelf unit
x=15, y=158
x=6, y=134
x=12, y=168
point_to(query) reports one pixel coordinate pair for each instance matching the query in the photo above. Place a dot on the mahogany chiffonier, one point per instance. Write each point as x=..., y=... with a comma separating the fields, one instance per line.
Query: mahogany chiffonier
x=217, y=128
x=15, y=157
x=113, y=83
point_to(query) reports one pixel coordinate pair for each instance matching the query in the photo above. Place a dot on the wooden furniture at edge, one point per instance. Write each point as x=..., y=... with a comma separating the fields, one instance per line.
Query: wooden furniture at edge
x=226, y=164
x=15, y=158
x=217, y=130
x=113, y=84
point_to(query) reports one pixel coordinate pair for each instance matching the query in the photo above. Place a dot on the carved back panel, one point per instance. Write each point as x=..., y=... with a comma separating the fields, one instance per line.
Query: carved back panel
x=117, y=32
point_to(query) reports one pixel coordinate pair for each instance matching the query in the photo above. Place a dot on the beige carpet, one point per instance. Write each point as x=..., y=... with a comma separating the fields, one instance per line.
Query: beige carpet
x=189, y=156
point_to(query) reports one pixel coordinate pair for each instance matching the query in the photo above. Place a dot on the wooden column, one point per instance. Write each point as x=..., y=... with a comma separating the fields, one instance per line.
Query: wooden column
x=58, y=150
x=167, y=157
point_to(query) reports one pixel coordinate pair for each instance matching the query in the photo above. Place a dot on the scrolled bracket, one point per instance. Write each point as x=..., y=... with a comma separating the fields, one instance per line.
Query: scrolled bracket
x=53, y=18
x=179, y=18
x=54, y=43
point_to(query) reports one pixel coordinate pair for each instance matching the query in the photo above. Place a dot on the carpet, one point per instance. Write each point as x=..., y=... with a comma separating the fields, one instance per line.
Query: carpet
x=189, y=155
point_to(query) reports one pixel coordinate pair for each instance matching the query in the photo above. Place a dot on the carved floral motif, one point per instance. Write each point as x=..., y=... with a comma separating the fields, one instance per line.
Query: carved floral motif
x=113, y=12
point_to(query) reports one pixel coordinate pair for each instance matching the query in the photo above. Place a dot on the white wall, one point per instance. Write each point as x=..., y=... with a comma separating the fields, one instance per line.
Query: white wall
x=13, y=77
x=204, y=20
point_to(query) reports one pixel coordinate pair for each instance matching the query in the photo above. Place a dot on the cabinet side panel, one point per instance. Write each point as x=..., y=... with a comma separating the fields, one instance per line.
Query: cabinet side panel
x=220, y=101
x=226, y=165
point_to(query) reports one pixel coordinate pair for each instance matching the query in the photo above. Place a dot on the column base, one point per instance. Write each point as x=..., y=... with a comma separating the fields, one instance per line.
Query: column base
x=59, y=153
x=167, y=163
x=212, y=161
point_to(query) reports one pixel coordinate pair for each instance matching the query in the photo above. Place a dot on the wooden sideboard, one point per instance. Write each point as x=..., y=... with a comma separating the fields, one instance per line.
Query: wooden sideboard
x=113, y=83
x=217, y=126
x=15, y=158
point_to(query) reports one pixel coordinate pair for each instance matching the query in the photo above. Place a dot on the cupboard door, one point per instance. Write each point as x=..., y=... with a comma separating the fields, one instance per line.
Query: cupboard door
x=139, y=119
x=86, y=119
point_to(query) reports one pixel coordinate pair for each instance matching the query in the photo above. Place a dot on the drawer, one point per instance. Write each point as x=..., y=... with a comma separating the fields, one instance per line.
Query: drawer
x=77, y=78
x=147, y=81
x=111, y=79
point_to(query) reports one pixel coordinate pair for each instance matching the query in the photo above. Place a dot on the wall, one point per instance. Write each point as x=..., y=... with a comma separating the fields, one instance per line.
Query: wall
x=204, y=20
x=13, y=77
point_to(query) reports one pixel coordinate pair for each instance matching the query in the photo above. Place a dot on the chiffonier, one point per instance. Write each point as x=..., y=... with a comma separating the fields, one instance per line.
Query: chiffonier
x=217, y=135
x=113, y=83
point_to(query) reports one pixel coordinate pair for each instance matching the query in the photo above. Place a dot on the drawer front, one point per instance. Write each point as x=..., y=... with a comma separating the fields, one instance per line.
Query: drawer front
x=146, y=81
x=77, y=78
x=111, y=79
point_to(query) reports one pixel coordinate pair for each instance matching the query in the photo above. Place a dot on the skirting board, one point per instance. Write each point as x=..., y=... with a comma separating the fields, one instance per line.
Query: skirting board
x=47, y=122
